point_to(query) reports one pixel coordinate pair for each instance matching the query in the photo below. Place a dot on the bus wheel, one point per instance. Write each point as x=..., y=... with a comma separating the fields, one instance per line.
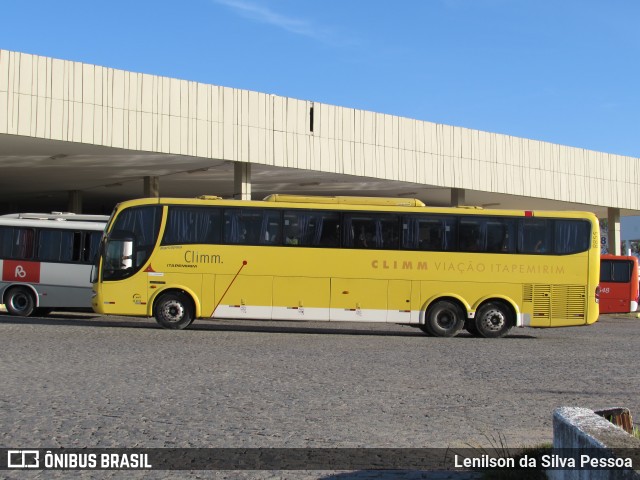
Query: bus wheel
x=173, y=311
x=20, y=301
x=444, y=319
x=494, y=320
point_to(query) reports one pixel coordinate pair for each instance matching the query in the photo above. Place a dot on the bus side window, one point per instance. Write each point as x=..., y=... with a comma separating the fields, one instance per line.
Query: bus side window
x=77, y=247
x=6, y=239
x=292, y=230
x=430, y=235
x=243, y=226
x=571, y=236
x=534, y=235
x=469, y=235
x=23, y=243
x=359, y=231
x=364, y=235
x=48, y=246
x=622, y=271
x=91, y=243
x=192, y=225
x=329, y=230
x=68, y=247
x=389, y=233
x=500, y=235
x=606, y=271
x=271, y=227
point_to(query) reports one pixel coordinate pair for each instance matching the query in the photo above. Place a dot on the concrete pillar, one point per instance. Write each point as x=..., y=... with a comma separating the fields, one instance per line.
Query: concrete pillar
x=152, y=187
x=457, y=197
x=613, y=224
x=74, y=205
x=242, y=181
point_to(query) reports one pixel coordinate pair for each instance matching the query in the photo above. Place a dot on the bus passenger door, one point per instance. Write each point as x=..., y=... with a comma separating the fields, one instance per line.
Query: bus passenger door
x=358, y=300
x=399, y=301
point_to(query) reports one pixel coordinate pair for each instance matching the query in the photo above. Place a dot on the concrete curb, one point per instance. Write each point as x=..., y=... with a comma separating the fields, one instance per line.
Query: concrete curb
x=581, y=428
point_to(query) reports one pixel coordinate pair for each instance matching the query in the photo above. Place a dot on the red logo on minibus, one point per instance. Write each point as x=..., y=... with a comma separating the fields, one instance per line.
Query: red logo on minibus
x=20, y=271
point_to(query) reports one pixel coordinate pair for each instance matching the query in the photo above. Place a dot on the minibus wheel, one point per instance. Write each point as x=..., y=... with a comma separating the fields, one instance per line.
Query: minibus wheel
x=494, y=320
x=20, y=301
x=173, y=310
x=444, y=319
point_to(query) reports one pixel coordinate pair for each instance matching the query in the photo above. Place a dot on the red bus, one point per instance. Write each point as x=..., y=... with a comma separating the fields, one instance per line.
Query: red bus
x=618, y=284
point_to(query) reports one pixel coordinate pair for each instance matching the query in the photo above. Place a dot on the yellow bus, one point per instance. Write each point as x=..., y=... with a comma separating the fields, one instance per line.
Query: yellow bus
x=365, y=259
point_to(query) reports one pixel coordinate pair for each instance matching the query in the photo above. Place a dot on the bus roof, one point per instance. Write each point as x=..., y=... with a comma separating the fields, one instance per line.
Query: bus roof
x=59, y=220
x=344, y=200
x=610, y=256
x=59, y=216
x=382, y=204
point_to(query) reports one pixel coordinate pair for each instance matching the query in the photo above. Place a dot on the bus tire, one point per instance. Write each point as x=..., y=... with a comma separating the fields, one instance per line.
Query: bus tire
x=20, y=301
x=444, y=319
x=494, y=320
x=173, y=311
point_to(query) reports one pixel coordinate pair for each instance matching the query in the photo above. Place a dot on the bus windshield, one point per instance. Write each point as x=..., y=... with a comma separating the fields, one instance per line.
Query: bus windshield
x=130, y=242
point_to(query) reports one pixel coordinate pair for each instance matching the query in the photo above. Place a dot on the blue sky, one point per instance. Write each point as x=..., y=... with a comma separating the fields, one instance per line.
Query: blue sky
x=564, y=71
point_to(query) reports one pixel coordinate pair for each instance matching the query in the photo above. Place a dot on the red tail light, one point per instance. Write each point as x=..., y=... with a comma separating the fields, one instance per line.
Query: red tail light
x=598, y=294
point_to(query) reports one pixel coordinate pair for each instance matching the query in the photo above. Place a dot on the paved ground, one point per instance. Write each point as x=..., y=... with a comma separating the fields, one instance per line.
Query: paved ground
x=75, y=380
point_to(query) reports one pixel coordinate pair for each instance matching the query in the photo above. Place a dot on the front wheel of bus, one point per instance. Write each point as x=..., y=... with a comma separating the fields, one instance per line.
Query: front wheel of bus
x=20, y=302
x=494, y=320
x=444, y=319
x=173, y=311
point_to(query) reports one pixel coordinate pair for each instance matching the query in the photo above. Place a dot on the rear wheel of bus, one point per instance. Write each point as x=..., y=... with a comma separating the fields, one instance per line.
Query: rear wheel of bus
x=494, y=320
x=174, y=310
x=20, y=301
x=444, y=319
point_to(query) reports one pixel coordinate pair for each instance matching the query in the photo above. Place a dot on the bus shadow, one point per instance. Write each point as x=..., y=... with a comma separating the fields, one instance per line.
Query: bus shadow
x=84, y=320
x=329, y=330
x=302, y=329
x=241, y=326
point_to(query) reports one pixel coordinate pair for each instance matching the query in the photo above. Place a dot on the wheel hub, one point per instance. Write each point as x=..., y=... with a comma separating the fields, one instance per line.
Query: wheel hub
x=19, y=302
x=493, y=320
x=173, y=311
x=445, y=319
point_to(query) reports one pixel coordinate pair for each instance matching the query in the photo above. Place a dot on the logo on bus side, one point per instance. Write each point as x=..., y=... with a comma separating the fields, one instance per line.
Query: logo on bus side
x=20, y=271
x=468, y=267
x=193, y=258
